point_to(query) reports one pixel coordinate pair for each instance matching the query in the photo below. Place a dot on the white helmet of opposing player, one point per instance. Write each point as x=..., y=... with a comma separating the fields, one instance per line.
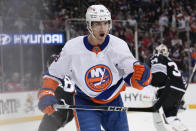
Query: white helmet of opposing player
x=161, y=49
x=97, y=13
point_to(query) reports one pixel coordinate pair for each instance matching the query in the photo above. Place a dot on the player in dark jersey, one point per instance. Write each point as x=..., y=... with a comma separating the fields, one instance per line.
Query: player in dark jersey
x=168, y=79
x=63, y=93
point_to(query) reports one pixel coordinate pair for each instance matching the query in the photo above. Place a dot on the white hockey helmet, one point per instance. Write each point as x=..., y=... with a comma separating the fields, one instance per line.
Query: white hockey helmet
x=161, y=49
x=98, y=13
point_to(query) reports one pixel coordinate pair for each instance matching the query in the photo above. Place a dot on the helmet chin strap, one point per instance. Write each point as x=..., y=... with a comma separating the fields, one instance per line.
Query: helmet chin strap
x=91, y=32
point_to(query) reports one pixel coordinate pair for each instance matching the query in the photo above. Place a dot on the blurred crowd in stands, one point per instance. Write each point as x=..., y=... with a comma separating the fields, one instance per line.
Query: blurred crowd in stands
x=172, y=22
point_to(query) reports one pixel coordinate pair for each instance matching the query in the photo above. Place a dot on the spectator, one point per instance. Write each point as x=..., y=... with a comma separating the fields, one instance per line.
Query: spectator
x=29, y=82
x=13, y=84
x=193, y=31
x=19, y=25
x=176, y=41
x=163, y=22
x=131, y=20
x=176, y=56
x=129, y=37
x=146, y=40
x=193, y=54
x=173, y=22
x=181, y=27
x=186, y=53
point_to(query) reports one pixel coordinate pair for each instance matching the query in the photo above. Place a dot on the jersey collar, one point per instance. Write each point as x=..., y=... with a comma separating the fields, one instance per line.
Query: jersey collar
x=90, y=47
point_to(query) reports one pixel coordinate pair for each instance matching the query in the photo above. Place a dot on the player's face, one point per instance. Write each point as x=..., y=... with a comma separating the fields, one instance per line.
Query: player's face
x=100, y=29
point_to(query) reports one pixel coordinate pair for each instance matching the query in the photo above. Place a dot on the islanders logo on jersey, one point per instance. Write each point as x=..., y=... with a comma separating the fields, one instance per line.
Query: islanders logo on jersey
x=98, y=78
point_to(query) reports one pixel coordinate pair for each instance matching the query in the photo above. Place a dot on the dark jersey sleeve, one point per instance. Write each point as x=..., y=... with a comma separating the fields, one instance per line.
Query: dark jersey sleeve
x=158, y=66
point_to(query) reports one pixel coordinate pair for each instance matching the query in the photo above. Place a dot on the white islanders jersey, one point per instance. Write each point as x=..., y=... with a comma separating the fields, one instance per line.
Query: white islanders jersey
x=100, y=75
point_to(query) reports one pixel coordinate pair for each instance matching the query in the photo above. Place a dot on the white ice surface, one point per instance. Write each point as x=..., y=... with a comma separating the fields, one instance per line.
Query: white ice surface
x=137, y=122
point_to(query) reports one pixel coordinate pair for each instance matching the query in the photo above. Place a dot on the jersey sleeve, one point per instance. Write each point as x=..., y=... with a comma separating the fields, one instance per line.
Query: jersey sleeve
x=61, y=67
x=159, y=70
x=125, y=60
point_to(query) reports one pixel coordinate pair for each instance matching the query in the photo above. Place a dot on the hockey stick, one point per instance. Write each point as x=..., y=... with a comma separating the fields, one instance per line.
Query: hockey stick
x=191, y=76
x=102, y=108
x=154, y=108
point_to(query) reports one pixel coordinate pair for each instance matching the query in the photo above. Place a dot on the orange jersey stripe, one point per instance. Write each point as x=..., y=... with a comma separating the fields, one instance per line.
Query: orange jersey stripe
x=97, y=79
x=75, y=115
x=43, y=93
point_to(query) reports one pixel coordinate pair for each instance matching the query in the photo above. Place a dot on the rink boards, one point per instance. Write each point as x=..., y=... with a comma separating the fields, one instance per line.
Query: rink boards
x=22, y=106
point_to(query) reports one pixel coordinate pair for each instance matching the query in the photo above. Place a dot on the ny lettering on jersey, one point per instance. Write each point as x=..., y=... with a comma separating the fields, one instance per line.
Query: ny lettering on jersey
x=98, y=78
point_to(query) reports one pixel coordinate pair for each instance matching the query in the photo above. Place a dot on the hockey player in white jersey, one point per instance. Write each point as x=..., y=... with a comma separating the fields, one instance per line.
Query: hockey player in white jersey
x=168, y=79
x=99, y=64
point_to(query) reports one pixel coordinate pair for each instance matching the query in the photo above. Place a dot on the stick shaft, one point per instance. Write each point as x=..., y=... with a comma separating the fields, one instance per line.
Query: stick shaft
x=192, y=73
x=102, y=108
